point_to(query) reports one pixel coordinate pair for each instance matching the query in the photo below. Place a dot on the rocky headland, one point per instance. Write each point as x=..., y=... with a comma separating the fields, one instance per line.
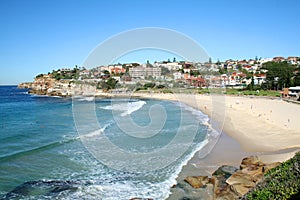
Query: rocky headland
x=47, y=85
x=252, y=180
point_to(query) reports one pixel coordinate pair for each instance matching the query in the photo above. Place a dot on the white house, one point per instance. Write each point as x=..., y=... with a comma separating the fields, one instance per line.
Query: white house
x=177, y=75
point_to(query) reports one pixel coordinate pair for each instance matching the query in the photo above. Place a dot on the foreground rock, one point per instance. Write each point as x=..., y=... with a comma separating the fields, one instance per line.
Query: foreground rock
x=231, y=183
x=43, y=189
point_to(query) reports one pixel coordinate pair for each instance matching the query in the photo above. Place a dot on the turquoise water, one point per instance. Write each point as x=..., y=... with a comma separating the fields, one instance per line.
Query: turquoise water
x=41, y=148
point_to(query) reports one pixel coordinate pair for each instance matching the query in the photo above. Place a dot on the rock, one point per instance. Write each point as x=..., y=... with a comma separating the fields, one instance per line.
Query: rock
x=240, y=190
x=219, y=179
x=229, y=183
x=255, y=173
x=138, y=198
x=225, y=171
x=251, y=161
x=240, y=178
x=197, y=181
x=226, y=195
x=48, y=188
x=268, y=167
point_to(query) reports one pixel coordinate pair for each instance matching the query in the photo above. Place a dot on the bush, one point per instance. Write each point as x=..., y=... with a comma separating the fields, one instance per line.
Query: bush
x=282, y=182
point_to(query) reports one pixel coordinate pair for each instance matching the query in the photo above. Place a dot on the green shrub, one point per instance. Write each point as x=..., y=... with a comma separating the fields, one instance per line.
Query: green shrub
x=282, y=182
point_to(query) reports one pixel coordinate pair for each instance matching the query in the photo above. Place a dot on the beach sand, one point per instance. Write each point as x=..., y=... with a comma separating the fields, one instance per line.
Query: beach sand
x=268, y=128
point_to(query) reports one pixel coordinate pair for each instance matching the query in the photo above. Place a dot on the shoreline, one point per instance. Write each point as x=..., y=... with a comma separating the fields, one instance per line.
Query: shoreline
x=266, y=127
x=250, y=126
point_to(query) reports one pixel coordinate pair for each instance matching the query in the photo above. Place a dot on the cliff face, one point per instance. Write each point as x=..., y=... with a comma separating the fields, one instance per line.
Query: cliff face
x=47, y=85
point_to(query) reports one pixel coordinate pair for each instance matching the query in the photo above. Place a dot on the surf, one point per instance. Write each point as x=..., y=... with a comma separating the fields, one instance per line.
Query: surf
x=127, y=108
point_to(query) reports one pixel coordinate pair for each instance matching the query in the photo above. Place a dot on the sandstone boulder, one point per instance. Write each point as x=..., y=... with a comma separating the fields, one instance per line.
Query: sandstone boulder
x=240, y=178
x=240, y=190
x=252, y=161
x=197, y=181
x=270, y=166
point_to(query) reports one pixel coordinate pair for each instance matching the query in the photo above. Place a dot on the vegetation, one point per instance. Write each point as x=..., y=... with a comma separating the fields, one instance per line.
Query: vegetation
x=282, y=182
x=229, y=91
x=39, y=76
x=279, y=75
x=164, y=71
x=108, y=84
x=66, y=74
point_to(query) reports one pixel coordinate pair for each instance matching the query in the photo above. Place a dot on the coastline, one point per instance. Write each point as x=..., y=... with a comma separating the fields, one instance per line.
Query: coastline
x=250, y=126
x=263, y=127
x=258, y=124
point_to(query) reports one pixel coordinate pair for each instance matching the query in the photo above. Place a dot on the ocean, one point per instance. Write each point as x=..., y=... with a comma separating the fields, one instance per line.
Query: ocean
x=50, y=149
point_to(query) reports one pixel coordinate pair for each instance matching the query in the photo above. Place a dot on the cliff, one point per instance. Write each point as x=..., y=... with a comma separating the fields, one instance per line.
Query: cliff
x=47, y=85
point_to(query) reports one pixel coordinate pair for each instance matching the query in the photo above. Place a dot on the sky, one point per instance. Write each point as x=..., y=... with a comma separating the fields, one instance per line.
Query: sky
x=38, y=36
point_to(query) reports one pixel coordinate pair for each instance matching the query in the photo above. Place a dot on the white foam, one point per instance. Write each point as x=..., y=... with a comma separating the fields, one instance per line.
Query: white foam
x=86, y=99
x=97, y=132
x=38, y=95
x=128, y=189
x=128, y=107
x=132, y=107
x=203, y=118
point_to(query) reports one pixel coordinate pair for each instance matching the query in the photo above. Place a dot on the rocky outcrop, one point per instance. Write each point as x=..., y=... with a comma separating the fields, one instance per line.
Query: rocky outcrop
x=47, y=85
x=44, y=188
x=197, y=181
x=231, y=183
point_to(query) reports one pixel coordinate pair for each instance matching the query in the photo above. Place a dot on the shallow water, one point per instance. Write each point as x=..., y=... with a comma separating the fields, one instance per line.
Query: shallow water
x=40, y=143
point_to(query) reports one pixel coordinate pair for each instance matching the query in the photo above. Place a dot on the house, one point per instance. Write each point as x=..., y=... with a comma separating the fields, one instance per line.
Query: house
x=251, y=62
x=84, y=73
x=264, y=60
x=117, y=70
x=278, y=59
x=169, y=65
x=294, y=91
x=196, y=81
x=293, y=60
x=114, y=67
x=177, y=75
x=143, y=72
x=242, y=62
x=247, y=67
x=186, y=70
x=259, y=79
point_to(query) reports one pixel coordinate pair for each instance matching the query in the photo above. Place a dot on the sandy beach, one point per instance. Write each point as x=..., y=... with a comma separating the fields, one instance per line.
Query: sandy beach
x=258, y=124
x=266, y=127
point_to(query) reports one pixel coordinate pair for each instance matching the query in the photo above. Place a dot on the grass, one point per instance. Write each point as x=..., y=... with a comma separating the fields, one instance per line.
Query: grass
x=230, y=91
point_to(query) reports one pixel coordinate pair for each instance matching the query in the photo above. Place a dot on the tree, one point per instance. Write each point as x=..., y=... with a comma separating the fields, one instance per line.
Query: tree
x=135, y=64
x=223, y=70
x=174, y=59
x=39, y=76
x=209, y=60
x=279, y=74
x=165, y=71
x=251, y=85
x=149, y=85
x=106, y=72
x=111, y=82
x=297, y=80
x=195, y=73
x=107, y=85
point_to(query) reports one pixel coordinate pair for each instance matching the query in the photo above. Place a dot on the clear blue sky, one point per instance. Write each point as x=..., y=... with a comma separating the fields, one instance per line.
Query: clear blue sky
x=38, y=36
